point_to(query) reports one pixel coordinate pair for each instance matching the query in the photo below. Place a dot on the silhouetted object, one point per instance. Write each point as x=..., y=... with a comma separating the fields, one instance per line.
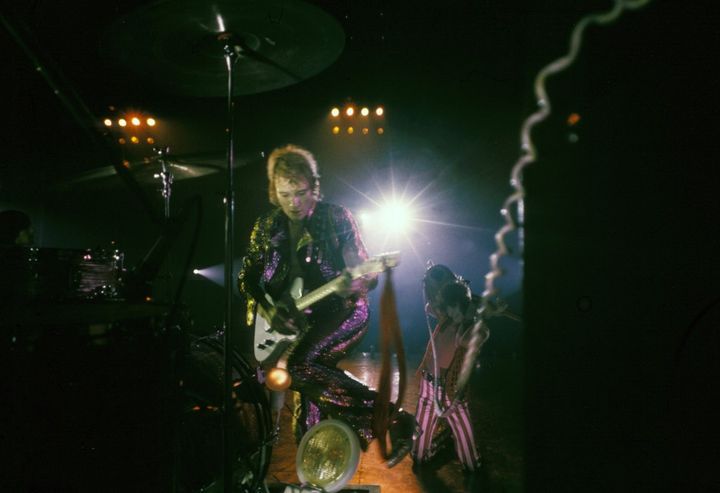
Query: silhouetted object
x=15, y=228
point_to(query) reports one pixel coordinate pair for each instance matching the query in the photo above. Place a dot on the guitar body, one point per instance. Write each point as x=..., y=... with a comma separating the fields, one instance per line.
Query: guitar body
x=270, y=345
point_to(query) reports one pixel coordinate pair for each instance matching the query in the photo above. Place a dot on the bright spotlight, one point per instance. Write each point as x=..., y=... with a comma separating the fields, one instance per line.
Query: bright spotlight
x=395, y=217
x=196, y=271
x=335, y=112
x=336, y=130
x=122, y=122
x=107, y=122
x=151, y=122
x=379, y=111
x=364, y=112
x=134, y=140
x=350, y=130
x=350, y=111
x=135, y=121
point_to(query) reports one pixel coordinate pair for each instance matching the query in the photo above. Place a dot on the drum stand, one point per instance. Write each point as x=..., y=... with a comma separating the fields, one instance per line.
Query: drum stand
x=166, y=178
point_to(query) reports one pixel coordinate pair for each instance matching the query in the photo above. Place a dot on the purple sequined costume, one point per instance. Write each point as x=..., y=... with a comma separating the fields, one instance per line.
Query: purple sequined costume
x=336, y=324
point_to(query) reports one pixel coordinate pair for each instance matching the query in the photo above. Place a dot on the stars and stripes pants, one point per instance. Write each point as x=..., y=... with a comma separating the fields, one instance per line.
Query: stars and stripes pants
x=457, y=417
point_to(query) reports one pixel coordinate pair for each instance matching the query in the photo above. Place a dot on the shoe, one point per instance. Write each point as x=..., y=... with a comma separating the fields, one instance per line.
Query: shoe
x=403, y=430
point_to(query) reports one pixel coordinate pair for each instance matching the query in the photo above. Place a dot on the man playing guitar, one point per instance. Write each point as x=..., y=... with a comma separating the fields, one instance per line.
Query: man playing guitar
x=306, y=238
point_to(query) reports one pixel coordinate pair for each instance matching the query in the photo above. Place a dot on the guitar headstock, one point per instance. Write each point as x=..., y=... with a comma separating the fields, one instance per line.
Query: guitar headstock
x=376, y=264
x=388, y=259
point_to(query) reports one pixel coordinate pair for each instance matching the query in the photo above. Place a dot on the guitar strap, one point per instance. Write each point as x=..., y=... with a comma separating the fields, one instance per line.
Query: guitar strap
x=390, y=338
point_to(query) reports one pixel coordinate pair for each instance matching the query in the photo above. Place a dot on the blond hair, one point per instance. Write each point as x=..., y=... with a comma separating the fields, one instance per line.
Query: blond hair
x=292, y=162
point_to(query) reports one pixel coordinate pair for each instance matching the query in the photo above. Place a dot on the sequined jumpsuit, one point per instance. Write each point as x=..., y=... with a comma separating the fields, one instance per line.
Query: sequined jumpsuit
x=336, y=324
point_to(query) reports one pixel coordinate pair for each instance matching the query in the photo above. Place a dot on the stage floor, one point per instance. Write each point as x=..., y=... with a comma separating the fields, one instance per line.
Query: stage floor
x=497, y=430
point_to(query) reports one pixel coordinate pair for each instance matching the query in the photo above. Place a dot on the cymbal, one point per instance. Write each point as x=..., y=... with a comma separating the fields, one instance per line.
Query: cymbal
x=147, y=170
x=175, y=43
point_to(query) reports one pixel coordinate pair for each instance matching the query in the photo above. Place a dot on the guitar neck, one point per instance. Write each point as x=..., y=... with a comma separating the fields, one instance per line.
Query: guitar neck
x=319, y=293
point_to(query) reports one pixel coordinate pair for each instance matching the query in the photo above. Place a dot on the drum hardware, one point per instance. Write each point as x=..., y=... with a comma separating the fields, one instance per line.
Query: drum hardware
x=33, y=274
x=145, y=172
x=203, y=424
x=226, y=48
x=175, y=44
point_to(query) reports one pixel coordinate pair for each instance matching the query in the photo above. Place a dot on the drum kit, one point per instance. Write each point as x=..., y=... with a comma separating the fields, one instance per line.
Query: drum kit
x=83, y=311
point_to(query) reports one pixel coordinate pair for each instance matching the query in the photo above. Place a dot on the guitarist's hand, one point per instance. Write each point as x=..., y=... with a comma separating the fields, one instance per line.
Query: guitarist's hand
x=286, y=319
x=352, y=286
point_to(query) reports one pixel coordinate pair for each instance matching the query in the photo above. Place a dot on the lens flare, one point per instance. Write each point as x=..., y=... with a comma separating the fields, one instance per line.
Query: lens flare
x=278, y=379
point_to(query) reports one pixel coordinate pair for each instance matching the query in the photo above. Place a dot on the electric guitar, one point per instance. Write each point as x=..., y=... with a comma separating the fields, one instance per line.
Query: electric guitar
x=271, y=344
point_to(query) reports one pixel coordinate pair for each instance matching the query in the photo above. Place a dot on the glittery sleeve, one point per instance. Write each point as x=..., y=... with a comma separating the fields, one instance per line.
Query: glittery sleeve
x=351, y=243
x=348, y=233
x=251, y=268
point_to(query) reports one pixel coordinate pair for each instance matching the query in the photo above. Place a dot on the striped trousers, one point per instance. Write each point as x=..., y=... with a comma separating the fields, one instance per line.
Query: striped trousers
x=457, y=417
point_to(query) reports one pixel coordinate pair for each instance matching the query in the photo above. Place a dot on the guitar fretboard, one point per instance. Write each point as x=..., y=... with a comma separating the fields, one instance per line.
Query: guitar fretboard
x=376, y=264
x=319, y=293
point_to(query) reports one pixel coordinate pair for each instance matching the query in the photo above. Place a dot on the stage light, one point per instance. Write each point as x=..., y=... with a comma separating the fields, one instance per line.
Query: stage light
x=364, y=112
x=350, y=111
x=395, y=217
x=122, y=122
x=379, y=111
x=380, y=130
x=365, y=131
x=335, y=112
x=350, y=130
x=150, y=140
x=327, y=457
x=151, y=122
x=213, y=273
x=122, y=140
x=134, y=139
x=336, y=130
x=278, y=379
x=135, y=121
x=107, y=122
x=573, y=119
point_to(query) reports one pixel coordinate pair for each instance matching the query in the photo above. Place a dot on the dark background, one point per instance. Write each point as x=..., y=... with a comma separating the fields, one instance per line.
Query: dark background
x=618, y=284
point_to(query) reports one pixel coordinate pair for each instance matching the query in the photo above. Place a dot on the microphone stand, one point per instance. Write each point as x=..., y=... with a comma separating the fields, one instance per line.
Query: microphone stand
x=228, y=462
x=233, y=46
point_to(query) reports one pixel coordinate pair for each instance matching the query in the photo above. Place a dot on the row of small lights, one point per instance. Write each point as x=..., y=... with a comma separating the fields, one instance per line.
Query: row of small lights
x=135, y=140
x=134, y=121
x=350, y=111
x=351, y=130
